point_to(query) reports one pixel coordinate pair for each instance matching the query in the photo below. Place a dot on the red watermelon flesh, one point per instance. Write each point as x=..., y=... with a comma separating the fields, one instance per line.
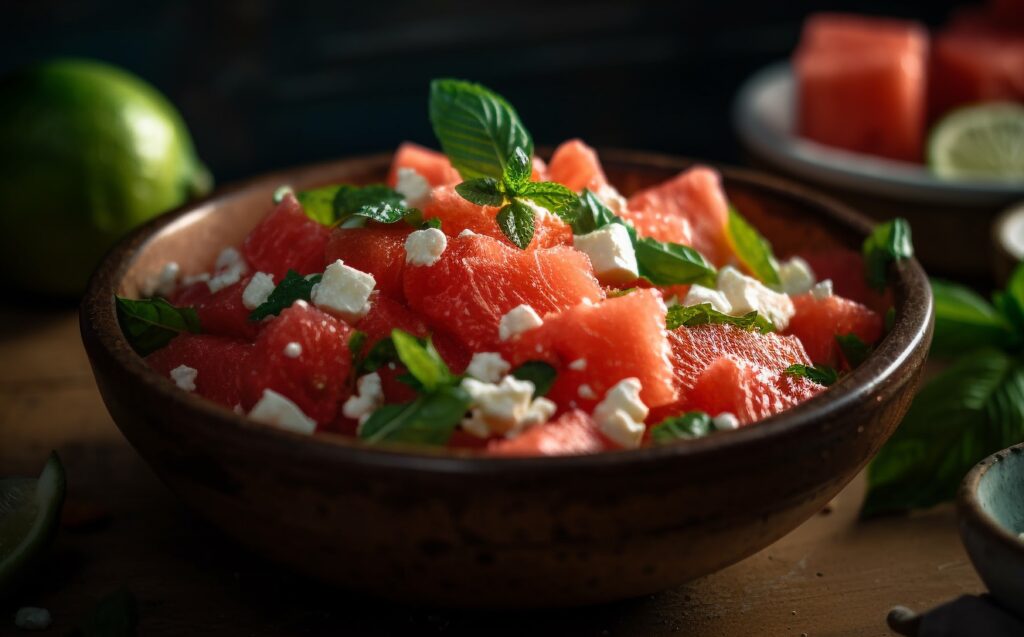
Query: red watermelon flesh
x=478, y=280
x=690, y=209
x=572, y=433
x=385, y=315
x=576, y=166
x=818, y=322
x=220, y=362
x=457, y=214
x=316, y=380
x=221, y=312
x=621, y=337
x=430, y=164
x=845, y=268
x=376, y=249
x=285, y=240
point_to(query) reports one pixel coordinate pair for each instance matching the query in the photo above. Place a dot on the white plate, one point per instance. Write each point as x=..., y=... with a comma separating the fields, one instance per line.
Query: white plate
x=764, y=117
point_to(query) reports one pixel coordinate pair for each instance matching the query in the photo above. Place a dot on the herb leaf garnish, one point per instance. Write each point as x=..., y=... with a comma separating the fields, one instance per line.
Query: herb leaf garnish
x=854, y=350
x=539, y=373
x=332, y=205
x=888, y=242
x=821, y=374
x=592, y=214
x=422, y=360
x=693, y=424
x=752, y=249
x=516, y=221
x=704, y=314
x=552, y=196
x=150, y=324
x=483, y=191
x=293, y=287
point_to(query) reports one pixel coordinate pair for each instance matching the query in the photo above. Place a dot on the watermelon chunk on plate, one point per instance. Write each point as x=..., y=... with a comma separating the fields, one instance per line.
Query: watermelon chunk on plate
x=572, y=433
x=576, y=166
x=845, y=268
x=286, y=239
x=457, y=214
x=385, y=315
x=221, y=312
x=376, y=249
x=818, y=322
x=220, y=363
x=430, y=164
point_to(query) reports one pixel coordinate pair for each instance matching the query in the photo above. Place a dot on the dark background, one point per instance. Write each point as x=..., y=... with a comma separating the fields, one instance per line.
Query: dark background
x=268, y=84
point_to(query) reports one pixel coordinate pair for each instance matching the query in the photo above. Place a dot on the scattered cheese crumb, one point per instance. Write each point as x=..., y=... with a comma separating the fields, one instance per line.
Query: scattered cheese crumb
x=293, y=349
x=796, y=276
x=822, y=290
x=621, y=414
x=425, y=247
x=368, y=397
x=586, y=392
x=578, y=365
x=185, y=377
x=611, y=253
x=747, y=294
x=725, y=421
x=32, y=618
x=412, y=185
x=228, y=270
x=343, y=291
x=258, y=290
x=699, y=294
x=274, y=409
x=467, y=233
x=505, y=408
x=164, y=282
x=519, y=319
x=202, y=277
x=489, y=367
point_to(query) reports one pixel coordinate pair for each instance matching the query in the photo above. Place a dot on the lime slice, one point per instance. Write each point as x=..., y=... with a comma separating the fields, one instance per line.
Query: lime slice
x=29, y=510
x=984, y=142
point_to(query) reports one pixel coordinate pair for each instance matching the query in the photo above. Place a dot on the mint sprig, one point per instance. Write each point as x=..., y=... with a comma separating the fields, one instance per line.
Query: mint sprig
x=693, y=424
x=293, y=287
x=820, y=374
x=335, y=204
x=752, y=249
x=888, y=242
x=704, y=314
x=150, y=324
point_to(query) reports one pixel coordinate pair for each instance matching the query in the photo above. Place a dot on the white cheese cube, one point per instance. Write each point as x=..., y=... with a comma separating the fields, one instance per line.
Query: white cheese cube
x=489, y=367
x=725, y=421
x=504, y=408
x=425, y=247
x=368, y=397
x=611, y=253
x=698, y=295
x=522, y=318
x=796, y=276
x=822, y=290
x=343, y=292
x=747, y=294
x=228, y=270
x=621, y=414
x=276, y=410
x=258, y=290
x=412, y=185
x=185, y=377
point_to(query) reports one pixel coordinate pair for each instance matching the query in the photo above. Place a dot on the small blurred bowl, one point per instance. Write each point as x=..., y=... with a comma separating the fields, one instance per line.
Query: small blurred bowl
x=951, y=220
x=991, y=509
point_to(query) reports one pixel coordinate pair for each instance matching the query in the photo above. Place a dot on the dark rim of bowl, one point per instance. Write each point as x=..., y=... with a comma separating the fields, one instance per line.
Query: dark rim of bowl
x=906, y=341
x=969, y=507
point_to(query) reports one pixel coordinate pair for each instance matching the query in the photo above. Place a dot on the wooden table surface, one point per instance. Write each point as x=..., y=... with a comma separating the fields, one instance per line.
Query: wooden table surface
x=833, y=576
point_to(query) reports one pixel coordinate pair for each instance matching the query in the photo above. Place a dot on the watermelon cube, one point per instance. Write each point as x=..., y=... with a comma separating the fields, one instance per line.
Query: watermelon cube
x=376, y=249
x=286, y=239
x=817, y=322
x=220, y=362
x=430, y=164
x=572, y=433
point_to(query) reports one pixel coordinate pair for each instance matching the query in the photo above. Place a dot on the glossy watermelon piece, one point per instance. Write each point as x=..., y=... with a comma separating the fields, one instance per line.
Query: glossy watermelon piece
x=845, y=268
x=317, y=379
x=576, y=166
x=572, y=433
x=286, y=239
x=862, y=84
x=432, y=165
x=744, y=390
x=220, y=362
x=457, y=214
x=621, y=337
x=690, y=209
x=376, y=249
x=221, y=313
x=818, y=322
x=478, y=279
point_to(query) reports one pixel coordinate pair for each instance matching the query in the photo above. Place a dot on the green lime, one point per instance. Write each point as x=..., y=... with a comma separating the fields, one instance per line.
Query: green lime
x=89, y=152
x=983, y=142
x=29, y=510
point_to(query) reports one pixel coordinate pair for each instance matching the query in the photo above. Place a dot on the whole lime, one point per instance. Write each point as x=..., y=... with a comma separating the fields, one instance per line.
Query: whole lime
x=89, y=152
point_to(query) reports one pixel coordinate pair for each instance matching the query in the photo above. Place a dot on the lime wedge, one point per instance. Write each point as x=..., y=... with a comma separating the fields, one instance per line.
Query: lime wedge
x=29, y=510
x=984, y=142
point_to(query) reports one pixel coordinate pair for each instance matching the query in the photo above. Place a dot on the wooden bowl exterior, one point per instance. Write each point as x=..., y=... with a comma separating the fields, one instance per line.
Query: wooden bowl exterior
x=461, y=530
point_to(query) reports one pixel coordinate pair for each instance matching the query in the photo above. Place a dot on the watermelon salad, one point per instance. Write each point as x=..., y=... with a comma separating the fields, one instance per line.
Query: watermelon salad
x=482, y=298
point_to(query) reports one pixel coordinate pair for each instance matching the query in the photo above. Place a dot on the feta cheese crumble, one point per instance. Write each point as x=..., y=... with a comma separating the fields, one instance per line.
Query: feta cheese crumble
x=164, y=282
x=276, y=410
x=258, y=290
x=293, y=349
x=586, y=392
x=747, y=294
x=725, y=421
x=822, y=290
x=368, y=397
x=698, y=294
x=32, y=618
x=412, y=185
x=611, y=253
x=506, y=408
x=621, y=414
x=467, y=233
x=796, y=276
x=578, y=365
x=519, y=319
x=343, y=291
x=185, y=377
x=425, y=247
x=228, y=269
x=489, y=367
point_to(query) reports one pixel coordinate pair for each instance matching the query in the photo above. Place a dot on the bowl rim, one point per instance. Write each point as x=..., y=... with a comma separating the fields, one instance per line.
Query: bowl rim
x=900, y=351
x=970, y=510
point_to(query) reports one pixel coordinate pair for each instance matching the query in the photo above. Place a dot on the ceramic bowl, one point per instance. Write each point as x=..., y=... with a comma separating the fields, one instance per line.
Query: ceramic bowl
x=951, y=220
x=991, y=509
x=454, y=529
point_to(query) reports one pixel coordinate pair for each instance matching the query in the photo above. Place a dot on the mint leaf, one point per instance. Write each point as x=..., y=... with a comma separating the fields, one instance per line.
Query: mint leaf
x=554, y=197
x=968, y=412
x=854, y=350
x=318, y=203
x=965, y=321
x=333, y=204
x=518, y=171
x=483, y=191
x=380, y=354
x=888, y=242
x=150, y=324
x=516, y=221
x=422, y=360
x=293, y=287
x=821, y=374
x=671, y=263
x=430, y=419
x=385, y=212
x=694, y=424
x=539, y=373
x=591, y=214
x=478, y=129
x=752, y=249
x=704, y=314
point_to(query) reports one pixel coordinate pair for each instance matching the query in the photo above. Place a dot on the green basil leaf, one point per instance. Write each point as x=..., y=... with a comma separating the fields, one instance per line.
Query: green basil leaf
x=422, y=360
x=516, y=221
x=969, y=411
x=333, y=204
x=854, y=350
x=385, y=212
x=150, y=324
x=293, y=287
x=965, y=321
x=518, y=171
x=318, y=203
x=888, y=242
x=478, y=129
x=821, y=374
x=539, y=373
x=591, y=214
x=429, y=420
x=704, y=314
x=553, y=197
x=752, y=249
x=664, y=263
x=694, y=424
x=414, y=217
x=483, y=191
x=380, y=354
